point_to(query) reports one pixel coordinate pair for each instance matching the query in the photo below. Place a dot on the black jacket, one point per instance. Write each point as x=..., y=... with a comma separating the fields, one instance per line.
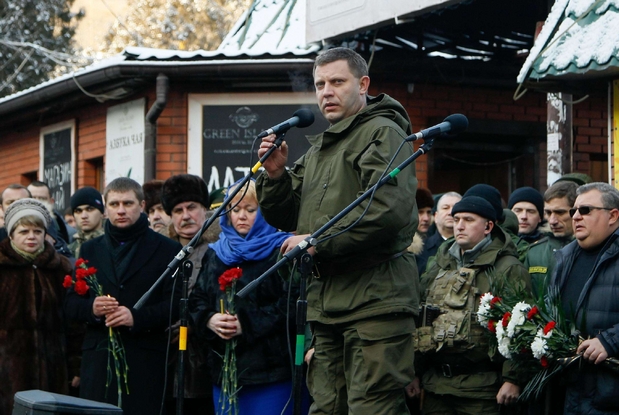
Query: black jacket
x=595, y=388
x=146, y=342
x=262, y=348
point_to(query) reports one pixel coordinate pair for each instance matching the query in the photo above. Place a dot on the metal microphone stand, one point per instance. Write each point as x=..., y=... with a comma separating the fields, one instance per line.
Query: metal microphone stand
x=305, y=268
x=182, y=336
x=312, y=240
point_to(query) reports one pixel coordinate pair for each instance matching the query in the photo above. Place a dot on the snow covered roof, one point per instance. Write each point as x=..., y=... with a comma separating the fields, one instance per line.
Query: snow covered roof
x=273, y=27
x=151, y=61
x=578, y=37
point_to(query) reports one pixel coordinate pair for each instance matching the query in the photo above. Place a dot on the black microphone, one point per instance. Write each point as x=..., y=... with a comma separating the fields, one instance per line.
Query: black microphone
x=301, y=118
x=454, y=124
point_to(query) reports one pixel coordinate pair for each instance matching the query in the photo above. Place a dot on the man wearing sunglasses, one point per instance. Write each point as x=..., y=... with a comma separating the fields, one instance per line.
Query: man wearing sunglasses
x=587, y=275
x=540, y=259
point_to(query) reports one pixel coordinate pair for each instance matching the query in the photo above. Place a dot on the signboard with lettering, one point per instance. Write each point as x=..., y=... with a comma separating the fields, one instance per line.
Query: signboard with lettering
x=228, y=132
x=57, y=148
x=124, y=153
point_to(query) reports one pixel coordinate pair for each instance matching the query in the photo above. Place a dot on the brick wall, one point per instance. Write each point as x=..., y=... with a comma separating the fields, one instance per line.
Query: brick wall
x=590, y=126
x=435, y=102
x=172, y=137
x=425, y=104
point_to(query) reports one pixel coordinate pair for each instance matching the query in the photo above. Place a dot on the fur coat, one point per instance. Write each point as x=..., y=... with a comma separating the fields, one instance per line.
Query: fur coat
x=32, y=328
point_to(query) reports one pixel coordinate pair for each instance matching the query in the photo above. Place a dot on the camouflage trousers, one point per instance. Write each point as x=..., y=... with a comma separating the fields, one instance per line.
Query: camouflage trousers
x=362, y=367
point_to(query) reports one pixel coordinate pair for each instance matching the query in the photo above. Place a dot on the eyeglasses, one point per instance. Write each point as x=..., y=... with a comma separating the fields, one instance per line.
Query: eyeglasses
x=585, y=210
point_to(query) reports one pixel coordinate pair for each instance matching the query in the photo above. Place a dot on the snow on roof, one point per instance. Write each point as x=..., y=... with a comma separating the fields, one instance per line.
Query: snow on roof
x=136, y=56
x=578, y=36
x=273, y=27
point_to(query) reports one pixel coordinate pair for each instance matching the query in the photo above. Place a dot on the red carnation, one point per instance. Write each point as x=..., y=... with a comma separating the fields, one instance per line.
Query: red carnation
x=68, y=281
x=492, y=326
x=551, y=325
x=81, y=287
x=532, y=312
x=494, y=301
x=544, y=361
x=506, y=318
x=91, y=271
x=81, y=273
x=229, y=277
x=80, y=262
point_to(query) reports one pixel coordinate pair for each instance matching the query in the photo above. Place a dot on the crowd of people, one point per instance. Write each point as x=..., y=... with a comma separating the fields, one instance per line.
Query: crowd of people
x=391, y=298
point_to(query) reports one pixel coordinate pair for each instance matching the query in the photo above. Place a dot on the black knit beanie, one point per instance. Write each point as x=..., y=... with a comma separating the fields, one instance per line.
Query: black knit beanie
x=87, y=196
x=477, y=205
x=491, y=194
x=527, y=194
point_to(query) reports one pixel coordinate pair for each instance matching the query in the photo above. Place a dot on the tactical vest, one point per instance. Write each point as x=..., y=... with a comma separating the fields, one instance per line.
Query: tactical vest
x=448, y=317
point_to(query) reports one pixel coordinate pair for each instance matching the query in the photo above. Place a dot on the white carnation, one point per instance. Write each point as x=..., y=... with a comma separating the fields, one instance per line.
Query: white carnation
x=539, y=346
x=502, y=340
x=519, y=315
x=483, y=313
x=486, y=299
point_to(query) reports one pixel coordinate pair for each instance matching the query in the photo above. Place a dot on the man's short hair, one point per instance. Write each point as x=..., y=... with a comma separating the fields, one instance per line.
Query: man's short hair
x=122, y=185
x=560, y=190
x=610, y=195
x=357, y=65
x=14, y=186
x=38, y=183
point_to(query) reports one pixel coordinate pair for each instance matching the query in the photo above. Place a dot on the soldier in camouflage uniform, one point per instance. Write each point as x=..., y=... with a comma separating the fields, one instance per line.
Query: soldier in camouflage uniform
x=460, y=372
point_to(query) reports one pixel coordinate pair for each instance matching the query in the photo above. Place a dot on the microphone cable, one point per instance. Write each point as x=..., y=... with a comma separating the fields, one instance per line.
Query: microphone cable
x=371, y=198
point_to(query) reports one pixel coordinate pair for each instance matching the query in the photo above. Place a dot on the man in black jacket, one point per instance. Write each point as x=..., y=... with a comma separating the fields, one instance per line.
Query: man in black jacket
x=587, y=274
x=128, y=259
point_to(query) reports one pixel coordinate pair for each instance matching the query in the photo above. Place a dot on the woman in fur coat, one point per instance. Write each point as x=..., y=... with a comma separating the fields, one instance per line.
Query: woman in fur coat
x=32, y=338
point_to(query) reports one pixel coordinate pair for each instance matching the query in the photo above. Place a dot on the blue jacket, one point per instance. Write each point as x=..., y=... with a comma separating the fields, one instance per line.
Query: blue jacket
x=596, y=388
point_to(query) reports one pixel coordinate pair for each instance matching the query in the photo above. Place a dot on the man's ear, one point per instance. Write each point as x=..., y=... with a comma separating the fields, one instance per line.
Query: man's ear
x=364, y=84
x=489, y=227
x=614, y=216
x=142, y=206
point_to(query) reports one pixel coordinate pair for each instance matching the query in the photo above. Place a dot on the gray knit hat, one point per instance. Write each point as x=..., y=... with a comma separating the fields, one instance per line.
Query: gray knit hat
x=25, y=207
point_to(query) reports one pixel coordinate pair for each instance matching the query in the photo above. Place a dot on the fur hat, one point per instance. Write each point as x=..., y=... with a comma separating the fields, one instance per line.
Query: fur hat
x=527, y=194
x=424, y=198
x=477, y=205
x=26, y=207
x=183, y=188
x=87, y=196
x=152, y=194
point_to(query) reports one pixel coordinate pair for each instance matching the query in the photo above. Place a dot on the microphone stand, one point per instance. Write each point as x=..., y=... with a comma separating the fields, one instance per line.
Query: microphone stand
x=182, y=336
x=312, y=240
x=305, y=268
x=184, y=253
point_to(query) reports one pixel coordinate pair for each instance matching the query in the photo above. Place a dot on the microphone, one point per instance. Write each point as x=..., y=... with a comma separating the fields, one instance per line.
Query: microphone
x=454, y=124
x=301, y=118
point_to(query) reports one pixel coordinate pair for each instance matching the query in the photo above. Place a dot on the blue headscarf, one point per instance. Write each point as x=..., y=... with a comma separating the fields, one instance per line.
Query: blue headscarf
x=258, y=244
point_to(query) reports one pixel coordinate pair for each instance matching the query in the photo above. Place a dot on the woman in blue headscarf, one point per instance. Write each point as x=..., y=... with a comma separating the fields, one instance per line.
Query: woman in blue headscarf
x=248, y=246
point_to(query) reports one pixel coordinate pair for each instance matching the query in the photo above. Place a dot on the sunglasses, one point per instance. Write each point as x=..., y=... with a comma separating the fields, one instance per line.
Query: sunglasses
x=585, y=210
